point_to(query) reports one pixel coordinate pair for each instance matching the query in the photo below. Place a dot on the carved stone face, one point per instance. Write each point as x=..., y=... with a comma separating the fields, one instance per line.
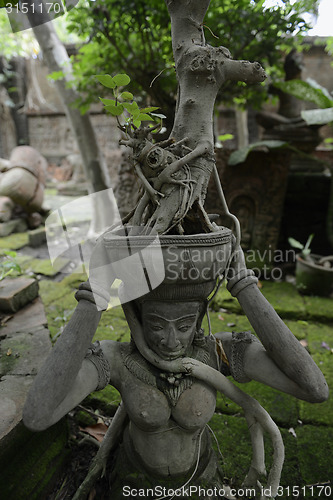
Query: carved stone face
x=169, y=327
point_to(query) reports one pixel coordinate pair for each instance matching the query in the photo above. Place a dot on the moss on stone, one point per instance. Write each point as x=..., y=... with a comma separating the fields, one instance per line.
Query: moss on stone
x=73, y=280
x=319, y=308
x=236, y=460
x=106, y=400
x=31, y=461
x=290, y=475
x=315, y=451
x=113, y=326
x=23, y=260
x=299, y=328
x=223, y=299
x=52, y=292
x=7, y=361
x=84, y=419
x=222, y=321
x=45, y=267
x=282, y=408
x=284, y=298
x=14, y=241
x=229, y=430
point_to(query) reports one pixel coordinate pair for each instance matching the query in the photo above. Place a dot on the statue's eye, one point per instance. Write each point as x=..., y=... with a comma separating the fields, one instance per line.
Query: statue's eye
x=184, y=328
x=156, y=328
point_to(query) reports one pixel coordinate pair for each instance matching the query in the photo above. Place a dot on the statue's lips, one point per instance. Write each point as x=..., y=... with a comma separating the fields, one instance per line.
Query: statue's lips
x=167, y=354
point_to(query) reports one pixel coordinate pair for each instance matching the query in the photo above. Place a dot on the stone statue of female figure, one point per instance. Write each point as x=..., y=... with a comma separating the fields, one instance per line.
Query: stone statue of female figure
x=168, y=376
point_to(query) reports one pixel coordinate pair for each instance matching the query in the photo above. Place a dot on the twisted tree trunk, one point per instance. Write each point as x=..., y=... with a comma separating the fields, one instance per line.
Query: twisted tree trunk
x=181, y=183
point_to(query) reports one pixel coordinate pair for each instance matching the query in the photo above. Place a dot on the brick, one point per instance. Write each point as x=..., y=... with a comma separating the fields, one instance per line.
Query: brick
x=37, y=237
x=16, y=293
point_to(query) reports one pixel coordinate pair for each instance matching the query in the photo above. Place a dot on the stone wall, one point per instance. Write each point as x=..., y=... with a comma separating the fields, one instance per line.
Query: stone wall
x=51, y=135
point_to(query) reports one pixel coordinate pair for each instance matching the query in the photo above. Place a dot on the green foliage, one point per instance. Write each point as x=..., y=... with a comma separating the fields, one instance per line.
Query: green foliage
x=318, y=116
x=311, y=91
x=8, y=264
x=305, y=249
x=225, y=137
x=307, y=91
x=120, y=105
x=254, y=32
x=134, y=37
x=240, y=155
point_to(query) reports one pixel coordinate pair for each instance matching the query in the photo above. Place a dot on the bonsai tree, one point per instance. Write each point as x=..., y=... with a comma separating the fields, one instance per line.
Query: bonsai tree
x=175, y=173
x=135, y=38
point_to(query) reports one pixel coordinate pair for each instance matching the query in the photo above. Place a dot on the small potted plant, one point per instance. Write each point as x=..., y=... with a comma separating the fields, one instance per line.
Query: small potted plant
x=314, y=273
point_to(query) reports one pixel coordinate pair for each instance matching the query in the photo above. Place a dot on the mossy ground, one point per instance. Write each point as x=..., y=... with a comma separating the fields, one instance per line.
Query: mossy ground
x=306, y=428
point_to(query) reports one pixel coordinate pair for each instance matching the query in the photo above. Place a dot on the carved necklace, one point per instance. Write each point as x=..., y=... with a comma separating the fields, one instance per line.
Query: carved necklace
x=171, y=384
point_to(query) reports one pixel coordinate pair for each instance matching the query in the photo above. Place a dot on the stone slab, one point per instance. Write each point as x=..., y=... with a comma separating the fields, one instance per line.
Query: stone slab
x=16, y=293
x=37, y=237
x=7, y=228
x=13, y=226
x=14, y=241
x=29, y=318
x=13, y=393
x=24, y=353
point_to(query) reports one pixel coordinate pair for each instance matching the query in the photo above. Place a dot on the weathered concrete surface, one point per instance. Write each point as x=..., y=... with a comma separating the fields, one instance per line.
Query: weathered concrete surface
x=30, y=317
x=25, y=343
x=28, y=460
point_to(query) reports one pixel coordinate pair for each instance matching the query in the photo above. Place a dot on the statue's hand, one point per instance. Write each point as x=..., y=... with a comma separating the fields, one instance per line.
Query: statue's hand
x=190, y=365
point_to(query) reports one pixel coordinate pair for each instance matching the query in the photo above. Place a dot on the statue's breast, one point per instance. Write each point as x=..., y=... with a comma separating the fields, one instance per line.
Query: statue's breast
x=150, y=409
x=152, y=399
x=195, y=406
x=146, y=406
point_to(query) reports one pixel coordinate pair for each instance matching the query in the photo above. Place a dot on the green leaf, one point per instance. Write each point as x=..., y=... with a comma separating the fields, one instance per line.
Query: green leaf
x=10, y=253
x=115, y=110
x=308, y=243
x=149, y=110
x=126, y=95
x=225, y=137
x=121, y=79
x=108, y=102
x=131, y=107
x=295, y=244
x=307, y=92
x=317, y=116
x=137, y=123
x=56, y=75
x=158, y=115
x=240, y=155
x=145, y=117
x=107, y=81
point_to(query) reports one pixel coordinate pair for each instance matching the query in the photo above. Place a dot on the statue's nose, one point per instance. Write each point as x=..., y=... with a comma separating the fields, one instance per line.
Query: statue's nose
x=170, y=341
